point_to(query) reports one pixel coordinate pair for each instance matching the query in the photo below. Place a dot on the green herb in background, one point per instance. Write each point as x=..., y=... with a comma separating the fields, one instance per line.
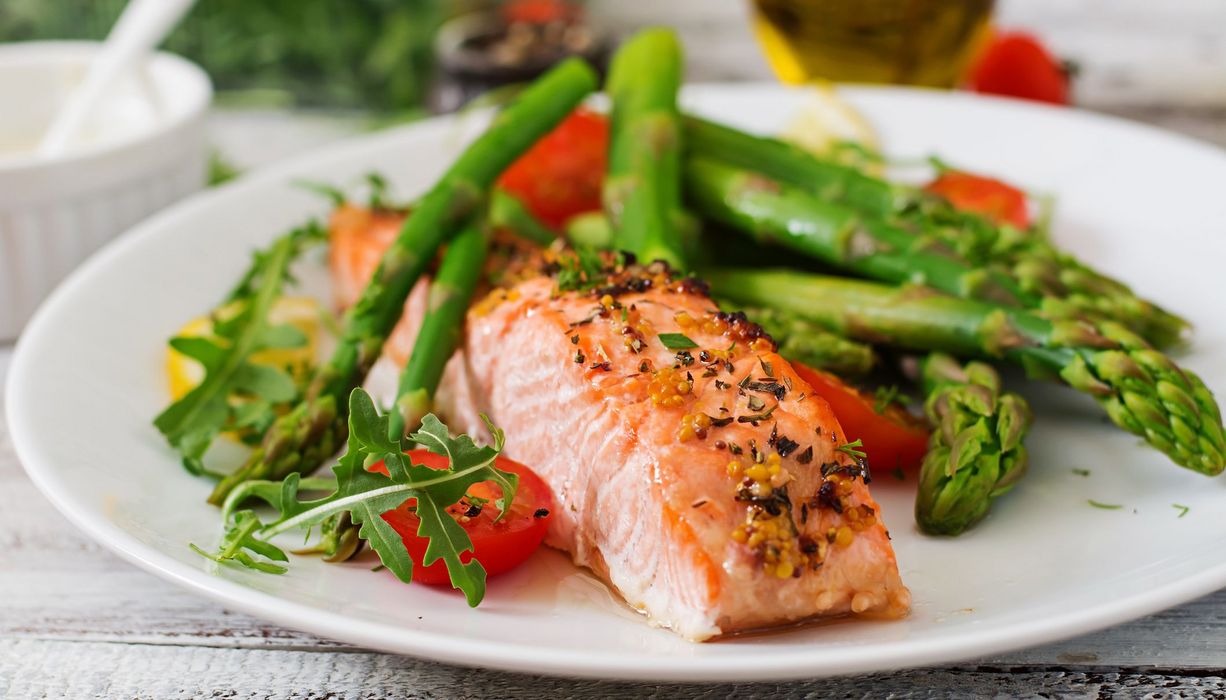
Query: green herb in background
x=369, y=54
x=221, y=169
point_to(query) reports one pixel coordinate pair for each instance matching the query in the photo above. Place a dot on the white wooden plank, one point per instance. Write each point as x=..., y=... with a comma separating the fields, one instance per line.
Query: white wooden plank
x=52, y=669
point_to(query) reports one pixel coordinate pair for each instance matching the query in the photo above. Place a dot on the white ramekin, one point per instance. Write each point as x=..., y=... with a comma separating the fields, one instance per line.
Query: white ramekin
x=56, y=212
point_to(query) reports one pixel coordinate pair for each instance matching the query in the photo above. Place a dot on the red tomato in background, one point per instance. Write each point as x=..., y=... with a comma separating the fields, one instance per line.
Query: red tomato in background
x=1015, y=64
x=561, y=175
x=892, y=439
x=540, y=11
x=999, y=201
x=499, y=546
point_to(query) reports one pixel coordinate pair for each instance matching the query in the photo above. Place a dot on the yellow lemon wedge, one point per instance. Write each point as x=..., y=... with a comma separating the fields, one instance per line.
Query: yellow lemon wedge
x=304, y=313
x=826, y=121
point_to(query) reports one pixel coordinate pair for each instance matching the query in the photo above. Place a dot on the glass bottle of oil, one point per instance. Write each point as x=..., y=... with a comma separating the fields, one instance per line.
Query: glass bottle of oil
x=913, y=42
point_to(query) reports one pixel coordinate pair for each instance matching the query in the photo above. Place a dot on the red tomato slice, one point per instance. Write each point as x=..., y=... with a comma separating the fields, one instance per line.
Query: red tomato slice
x=499, y=546
x=561, y=175
x=998, y=201
x=1015, y=64
x=892, y=439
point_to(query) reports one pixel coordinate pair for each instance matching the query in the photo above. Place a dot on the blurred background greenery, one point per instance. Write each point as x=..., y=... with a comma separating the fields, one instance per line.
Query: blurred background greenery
x=368, y=54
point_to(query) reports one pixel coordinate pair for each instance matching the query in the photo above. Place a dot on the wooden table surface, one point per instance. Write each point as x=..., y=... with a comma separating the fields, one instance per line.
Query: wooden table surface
x=75, y=621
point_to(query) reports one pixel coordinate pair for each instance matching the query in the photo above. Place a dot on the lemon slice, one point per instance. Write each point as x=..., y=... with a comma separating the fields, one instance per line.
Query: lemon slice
x=304, y=313
x=825, y=121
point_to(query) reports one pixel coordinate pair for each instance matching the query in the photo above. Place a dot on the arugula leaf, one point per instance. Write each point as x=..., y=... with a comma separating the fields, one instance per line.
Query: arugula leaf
x=278, y=494
x=376, y=200
x=194, y=421
x=221, y=170
x=335, y=196
x=677, y=341
x=241, y=537
x=378, y=191
x=473, y=464
x=301, y=239
x=365, y=496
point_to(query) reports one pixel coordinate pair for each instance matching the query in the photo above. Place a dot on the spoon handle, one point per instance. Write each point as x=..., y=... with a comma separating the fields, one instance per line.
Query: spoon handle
x=141, y=27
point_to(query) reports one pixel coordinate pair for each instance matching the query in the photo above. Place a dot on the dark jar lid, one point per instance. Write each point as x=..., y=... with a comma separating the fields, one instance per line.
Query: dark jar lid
x=481, y=51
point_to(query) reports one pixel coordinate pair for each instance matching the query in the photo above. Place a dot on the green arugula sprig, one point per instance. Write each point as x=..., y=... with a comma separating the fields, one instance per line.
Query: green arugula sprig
x=365, y=496
x=237, y=394
x=300, y=240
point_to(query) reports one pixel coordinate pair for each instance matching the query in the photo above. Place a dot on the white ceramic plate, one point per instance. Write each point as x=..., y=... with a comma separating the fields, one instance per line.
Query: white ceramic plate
x=87, y=379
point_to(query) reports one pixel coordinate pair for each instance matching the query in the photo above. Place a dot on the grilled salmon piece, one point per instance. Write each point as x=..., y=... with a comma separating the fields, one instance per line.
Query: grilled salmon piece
x=693, y=469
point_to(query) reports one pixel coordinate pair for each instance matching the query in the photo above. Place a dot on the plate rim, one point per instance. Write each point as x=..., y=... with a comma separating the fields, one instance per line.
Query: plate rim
x=786, y=664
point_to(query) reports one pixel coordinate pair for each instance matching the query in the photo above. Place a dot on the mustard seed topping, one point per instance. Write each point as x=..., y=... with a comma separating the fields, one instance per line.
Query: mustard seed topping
x=669, y=387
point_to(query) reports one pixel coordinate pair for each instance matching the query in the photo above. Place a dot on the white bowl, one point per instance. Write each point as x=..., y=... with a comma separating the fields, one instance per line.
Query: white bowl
x=142, y=150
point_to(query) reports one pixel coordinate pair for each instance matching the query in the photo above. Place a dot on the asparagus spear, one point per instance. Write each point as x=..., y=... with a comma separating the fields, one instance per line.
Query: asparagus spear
x=1068, y=287
x=451, y=290
x=1141, y=389
x=506, y=211
x=835, y=234
x=804, y=341
x=301, y=439
x=643, y=187
x=975, y=453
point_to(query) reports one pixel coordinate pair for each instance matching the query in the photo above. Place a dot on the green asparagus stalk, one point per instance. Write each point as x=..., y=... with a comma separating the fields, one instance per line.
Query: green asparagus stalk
x=506, y=211
x=975, y=453
x=590, y=230
x=451, y=291
x=301, y=439
x=1067, y=287
x=1141, y=389
x=643, y=187
x=804, y=341
x=838, y=235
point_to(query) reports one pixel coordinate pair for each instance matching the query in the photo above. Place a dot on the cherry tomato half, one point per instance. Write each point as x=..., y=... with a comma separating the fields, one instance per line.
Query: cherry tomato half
x=1015, y=64
x=892, y=439
x=500, y=546
x=562, y=174
x=999, y=201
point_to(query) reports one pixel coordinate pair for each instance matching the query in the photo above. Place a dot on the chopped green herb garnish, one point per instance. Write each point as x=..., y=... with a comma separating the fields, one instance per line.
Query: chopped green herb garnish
x=1081, y=472
x=1183, y=510
x=884, y=397
x=677, y=341
x=580, y=272
x=767, y=368
x=1104, y=506
x=851, y=448
x=757, y=416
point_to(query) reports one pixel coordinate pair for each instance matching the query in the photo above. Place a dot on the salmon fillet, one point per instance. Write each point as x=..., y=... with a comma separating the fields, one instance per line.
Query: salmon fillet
x=703, y=483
